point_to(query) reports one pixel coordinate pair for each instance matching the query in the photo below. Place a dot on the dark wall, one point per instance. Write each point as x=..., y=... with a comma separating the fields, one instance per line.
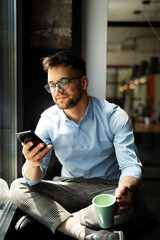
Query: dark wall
x=32, y=97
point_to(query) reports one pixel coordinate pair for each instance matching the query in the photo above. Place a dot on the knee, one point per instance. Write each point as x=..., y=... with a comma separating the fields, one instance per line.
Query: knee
x=16, y=189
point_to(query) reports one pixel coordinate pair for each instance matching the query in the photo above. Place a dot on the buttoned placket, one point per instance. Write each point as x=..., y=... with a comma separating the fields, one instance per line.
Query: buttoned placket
x=80, y=141
x=82, y=147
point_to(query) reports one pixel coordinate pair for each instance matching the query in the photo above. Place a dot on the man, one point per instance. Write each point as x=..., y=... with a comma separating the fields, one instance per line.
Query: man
x=93, y=140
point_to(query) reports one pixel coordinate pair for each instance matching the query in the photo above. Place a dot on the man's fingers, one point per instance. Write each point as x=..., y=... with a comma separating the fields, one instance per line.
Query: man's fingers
x=36, y=153
x=41, y=154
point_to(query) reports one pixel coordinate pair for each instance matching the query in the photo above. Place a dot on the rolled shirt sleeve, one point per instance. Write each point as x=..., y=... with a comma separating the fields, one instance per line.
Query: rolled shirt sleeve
x=125, y=148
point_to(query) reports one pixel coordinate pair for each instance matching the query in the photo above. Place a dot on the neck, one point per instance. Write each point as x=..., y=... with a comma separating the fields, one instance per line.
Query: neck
x=77, y=112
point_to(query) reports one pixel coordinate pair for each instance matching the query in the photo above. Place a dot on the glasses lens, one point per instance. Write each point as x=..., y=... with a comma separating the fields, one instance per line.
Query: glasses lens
x=50, y=88
x=63, y=84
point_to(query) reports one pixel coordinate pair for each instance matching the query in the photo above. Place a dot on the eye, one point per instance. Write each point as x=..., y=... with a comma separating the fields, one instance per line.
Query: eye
x=63, y=82
x=52, y=85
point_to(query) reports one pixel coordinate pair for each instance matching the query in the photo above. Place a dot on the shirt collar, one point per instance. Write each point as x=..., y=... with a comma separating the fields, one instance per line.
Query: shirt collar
x=63, y=116
x=89, y=111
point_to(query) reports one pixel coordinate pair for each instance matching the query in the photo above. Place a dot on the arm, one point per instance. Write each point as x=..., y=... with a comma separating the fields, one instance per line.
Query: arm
x=126, y=187
x=34, y=159
x=130, y=182
x=128, y=161
x=37, y=162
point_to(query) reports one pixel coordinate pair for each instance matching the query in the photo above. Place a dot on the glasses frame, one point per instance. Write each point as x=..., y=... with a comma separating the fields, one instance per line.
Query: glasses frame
x=48, y=88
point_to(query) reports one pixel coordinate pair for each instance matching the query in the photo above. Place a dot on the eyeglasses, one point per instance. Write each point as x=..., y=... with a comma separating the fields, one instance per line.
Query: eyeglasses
x=62, y=84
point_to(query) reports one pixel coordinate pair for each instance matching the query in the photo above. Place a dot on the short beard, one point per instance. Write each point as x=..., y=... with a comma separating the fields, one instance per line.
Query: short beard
x=72, y=103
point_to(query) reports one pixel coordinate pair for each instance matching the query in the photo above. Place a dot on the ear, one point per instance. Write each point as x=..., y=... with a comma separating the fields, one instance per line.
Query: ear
x=84, y=82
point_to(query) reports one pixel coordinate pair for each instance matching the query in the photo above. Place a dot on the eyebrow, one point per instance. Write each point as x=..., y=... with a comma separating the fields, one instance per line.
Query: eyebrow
x=59, y=79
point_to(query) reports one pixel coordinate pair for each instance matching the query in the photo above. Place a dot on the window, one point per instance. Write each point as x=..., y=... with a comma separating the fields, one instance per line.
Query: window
x=8, y=102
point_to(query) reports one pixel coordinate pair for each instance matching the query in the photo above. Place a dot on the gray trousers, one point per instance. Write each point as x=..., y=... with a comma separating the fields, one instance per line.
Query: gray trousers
x=52, y=202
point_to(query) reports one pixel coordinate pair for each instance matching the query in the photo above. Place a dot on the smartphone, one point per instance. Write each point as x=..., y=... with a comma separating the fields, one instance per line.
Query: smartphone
x=30, y=136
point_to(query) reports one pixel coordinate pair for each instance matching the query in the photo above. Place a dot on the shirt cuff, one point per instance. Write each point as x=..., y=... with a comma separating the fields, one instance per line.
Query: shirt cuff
x=134, y=171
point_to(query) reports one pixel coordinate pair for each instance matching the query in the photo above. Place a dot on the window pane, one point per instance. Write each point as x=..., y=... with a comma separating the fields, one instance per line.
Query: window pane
x=8, y=102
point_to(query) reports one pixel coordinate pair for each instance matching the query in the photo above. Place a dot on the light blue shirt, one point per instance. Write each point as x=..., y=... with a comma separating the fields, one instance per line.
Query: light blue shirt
x=101, y=145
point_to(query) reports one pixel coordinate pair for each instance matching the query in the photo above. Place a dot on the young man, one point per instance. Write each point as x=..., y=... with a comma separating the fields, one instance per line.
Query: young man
x=93, y=140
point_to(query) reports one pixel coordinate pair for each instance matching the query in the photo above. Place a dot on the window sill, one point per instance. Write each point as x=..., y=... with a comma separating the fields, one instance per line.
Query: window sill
x=6, y=217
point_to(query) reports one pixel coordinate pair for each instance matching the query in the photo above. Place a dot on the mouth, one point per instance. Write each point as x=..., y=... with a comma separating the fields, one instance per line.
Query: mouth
x=60, y=98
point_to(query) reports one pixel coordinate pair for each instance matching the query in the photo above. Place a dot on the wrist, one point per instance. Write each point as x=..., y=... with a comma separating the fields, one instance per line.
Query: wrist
x=31, y=172
x=31, y=165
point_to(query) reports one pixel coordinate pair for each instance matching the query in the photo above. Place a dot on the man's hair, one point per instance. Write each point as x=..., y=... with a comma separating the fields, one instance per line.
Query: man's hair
x=66, y=58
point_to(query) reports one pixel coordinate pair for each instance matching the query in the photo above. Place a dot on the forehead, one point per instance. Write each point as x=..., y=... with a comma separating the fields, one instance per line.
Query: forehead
x=60, y=71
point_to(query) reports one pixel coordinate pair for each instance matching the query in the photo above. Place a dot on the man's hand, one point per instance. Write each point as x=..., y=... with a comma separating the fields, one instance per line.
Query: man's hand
x=123, y=197
x=35, y=156
x=34, y=159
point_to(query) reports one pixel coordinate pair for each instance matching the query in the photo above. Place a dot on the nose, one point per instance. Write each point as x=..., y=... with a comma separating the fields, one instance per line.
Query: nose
x=58, y=89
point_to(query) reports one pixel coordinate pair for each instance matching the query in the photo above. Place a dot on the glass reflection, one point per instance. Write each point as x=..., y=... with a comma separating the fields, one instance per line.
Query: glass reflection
x=4, y=191
x=8, y=102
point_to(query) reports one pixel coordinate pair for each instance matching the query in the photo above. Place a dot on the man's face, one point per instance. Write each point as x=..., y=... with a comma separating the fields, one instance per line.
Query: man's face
x=70, y=97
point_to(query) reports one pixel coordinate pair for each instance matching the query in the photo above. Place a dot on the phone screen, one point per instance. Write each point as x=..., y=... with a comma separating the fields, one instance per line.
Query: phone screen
x=30, y=136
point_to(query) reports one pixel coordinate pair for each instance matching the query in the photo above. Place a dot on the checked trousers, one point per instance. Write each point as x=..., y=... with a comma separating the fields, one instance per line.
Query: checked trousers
x=52, y=202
